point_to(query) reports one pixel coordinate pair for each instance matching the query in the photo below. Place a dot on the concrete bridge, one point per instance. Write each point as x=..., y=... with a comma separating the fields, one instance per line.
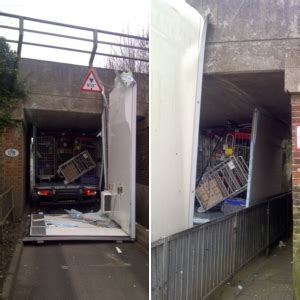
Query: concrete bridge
x=252, y=52
x=53, y=93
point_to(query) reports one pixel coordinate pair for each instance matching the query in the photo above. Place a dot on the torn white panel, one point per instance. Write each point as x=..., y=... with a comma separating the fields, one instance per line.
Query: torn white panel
x=266, y=158
x=177, y=51
x=97, y=232
x=127, y=78
x=92, y=217
x=121, y=151
x=63, y=225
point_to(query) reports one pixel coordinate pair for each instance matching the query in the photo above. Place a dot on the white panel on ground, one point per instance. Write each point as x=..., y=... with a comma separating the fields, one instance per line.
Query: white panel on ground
x=63, y=225
x=266, y=167
x=121, y=152
x=177, y=47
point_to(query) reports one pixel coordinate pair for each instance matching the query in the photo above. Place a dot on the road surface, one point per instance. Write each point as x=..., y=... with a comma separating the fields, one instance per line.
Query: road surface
x=82, y=271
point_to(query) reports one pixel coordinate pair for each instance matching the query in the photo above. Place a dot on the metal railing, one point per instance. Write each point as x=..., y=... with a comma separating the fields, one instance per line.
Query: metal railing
x=6, y=208
x=6, y=205
x=22, y=29
x=193, y=263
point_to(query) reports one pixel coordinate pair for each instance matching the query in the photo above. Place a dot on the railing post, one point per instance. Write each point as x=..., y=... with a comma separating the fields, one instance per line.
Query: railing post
x=234, y=242
x=13, y=213
x=165, y=277
x=21, y=34
x=95, y=45
x=1, y=225
x=268, y=229
x=1, y=234
x=287, y=214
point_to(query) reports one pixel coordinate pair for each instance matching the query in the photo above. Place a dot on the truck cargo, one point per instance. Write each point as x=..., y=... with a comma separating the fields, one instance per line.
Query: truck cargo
x=53, y=149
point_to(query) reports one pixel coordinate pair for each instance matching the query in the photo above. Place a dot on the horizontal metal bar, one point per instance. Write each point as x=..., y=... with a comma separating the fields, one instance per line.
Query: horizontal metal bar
x=73, y=26
x=281, y=195
x=50, y=46
x=121, y=56
x=158, y=242
x=76, y=38
x=78, y=50
x=197, y=227
x=9, y=27
x=48, y=33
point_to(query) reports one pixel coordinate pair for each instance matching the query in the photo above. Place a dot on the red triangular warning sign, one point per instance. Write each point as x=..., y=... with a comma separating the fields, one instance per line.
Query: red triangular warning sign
x=91, y=83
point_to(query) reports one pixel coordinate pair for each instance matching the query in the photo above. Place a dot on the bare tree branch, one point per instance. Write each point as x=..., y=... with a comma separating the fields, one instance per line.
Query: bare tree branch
x=128, y=64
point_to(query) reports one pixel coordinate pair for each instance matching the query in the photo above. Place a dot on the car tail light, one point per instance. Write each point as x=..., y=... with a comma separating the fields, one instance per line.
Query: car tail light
x=45, y=193
x=89, y=192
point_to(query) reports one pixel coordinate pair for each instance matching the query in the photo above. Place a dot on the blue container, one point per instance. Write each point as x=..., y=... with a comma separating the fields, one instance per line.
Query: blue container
x=233, y=205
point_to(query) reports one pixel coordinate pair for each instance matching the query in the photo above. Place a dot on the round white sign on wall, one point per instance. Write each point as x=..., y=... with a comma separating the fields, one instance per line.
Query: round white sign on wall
x=12, y=152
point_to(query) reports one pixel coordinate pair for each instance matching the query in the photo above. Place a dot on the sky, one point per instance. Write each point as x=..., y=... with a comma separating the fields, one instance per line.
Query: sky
x=130, y=16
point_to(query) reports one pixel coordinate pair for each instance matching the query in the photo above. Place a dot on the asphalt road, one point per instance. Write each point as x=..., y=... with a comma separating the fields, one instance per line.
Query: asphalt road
x=82, y=271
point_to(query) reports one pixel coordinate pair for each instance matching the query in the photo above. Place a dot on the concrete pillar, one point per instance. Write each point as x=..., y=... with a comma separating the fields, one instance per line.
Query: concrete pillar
x=292, y=85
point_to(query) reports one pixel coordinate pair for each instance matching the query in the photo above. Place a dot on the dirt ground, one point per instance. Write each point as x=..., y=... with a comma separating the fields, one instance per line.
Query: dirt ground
x=11, y=234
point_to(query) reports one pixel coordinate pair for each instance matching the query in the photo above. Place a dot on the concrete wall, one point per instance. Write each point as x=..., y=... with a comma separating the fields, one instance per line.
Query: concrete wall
x=249, y=35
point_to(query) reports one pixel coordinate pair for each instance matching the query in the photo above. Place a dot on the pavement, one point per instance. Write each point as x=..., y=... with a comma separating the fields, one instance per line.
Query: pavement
x=263, y=278
x=82, y=271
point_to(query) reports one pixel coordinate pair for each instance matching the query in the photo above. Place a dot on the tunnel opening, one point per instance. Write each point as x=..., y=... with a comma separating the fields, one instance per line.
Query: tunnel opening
x=244, y=144
x=81, y=170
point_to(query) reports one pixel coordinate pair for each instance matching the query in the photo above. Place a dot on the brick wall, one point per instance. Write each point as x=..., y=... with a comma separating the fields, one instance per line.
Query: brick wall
x=296, y=192
x=12, y=169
